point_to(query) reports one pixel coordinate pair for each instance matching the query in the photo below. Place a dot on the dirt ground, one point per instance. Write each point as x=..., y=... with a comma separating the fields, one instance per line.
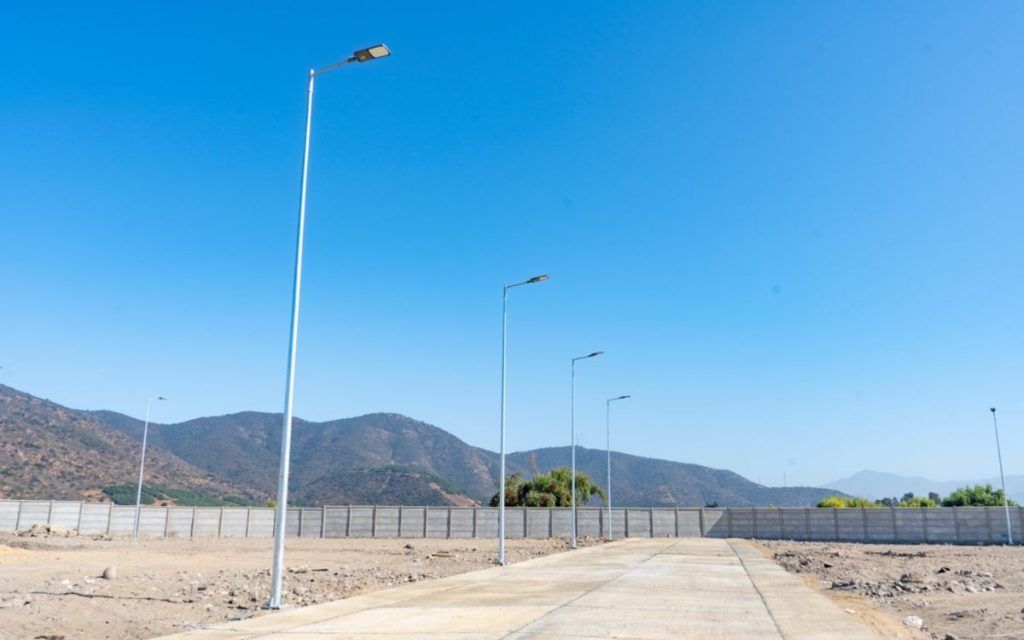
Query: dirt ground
x=51, y=586
x=958, y=592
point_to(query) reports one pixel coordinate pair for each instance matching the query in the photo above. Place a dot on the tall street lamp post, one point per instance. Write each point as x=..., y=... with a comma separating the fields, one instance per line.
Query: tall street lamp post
x=280, y=517
x=572, y=420
x=142, y=468
x=504, y=375
x=608, y=440
x=1002, y=479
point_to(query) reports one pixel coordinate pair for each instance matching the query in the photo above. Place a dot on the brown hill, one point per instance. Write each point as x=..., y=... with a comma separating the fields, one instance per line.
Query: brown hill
x=51, y=452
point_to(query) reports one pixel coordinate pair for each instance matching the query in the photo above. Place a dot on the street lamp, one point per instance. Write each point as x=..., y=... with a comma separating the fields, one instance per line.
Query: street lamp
x=504, y=372
x=608, y=438
x=572, y=419
x=280, y=517
x=142, y=468
x=1002, y=479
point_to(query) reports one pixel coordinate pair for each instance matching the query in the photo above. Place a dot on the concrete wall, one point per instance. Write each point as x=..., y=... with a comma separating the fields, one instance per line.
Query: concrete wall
x=952, y=525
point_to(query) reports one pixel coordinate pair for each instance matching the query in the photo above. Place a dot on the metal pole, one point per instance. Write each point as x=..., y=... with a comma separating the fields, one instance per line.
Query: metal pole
x=504, y=387
x=280, y=517
x=142, y=468
x=1002, y=480
x=501, y=472
x=572, y=420
x=608, y=435
x=608, y=477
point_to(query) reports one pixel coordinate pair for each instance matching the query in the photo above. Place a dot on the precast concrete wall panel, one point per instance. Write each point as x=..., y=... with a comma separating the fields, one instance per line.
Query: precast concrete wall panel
x=412, y=523
x=515, y=522
x=823, y=524
x=206, y=522
x=588, y=522
x=462, y=523
x=768, y=523
x=618, y=523
x=909, y=525
x=291, y=523
x=234, y=523
x=561, y=523
x=973, y=524
x=122, y=520
x=638, y=523
x=742, y=525
x=879, y=525
x=716, y=523
x=152, y=522
x=940, y=525
x=538, y=523
x=179, y=521
x=335, y=522
x=689, y=523
x=387, y=522
x=33, y=512
x=261, y=523
x=95, y=519
x=437, y=522
x=310, y=522
x=664, y=523
x=794, y=524
x=9, y=515
x=997, y=516
x=360, y=524
x=65, y=514
x=849, y=524
x=487, y=523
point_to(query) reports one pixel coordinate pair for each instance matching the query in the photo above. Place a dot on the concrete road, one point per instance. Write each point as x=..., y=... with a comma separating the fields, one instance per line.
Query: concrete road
x=637, y=588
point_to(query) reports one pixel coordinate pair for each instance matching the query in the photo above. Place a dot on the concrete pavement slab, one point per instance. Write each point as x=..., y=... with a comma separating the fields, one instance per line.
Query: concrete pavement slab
x=685, y=588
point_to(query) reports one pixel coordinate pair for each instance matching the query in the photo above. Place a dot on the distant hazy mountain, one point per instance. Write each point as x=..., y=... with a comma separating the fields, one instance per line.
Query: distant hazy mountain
x=49, y=451
x=877, y=484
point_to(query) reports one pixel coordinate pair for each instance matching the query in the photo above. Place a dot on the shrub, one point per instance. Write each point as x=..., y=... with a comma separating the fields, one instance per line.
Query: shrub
x=976, y=496
x=839, y=502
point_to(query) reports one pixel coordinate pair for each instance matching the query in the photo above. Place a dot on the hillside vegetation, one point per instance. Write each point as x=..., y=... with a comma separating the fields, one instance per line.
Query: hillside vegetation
x=48, y=451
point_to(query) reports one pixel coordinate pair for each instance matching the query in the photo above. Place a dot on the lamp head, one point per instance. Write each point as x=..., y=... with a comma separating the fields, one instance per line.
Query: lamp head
x=595, y=354
x=623, y=397
x=993, y=409
x=536, y=279
x=371, y=53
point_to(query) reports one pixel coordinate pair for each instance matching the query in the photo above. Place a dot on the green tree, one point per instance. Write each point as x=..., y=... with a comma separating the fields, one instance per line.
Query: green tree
x=976, y=496
x=551, y=489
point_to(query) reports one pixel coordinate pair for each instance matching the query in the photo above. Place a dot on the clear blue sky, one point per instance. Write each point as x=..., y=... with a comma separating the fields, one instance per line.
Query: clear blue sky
x=795, y=229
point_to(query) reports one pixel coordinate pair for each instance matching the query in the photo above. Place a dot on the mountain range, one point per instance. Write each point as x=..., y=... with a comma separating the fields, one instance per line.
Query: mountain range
x=48, y=451
x=878, y=484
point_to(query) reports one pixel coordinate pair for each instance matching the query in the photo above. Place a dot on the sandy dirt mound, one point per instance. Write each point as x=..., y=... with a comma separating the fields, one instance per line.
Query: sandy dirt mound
x=956, y=592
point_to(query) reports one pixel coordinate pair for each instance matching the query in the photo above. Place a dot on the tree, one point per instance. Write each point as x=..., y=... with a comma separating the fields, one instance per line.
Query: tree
x=976, y=496
x=551, y=489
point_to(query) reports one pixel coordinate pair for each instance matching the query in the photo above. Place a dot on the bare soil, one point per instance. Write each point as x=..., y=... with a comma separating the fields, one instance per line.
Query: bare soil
x=958, y=592
x=51, y=587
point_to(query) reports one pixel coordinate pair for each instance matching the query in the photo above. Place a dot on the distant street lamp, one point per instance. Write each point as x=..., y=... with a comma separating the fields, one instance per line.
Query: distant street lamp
x=1002, y=479
x=608, y=436
x=280, y=517
x=572, y=420
x=504, y=373
x=142, y=468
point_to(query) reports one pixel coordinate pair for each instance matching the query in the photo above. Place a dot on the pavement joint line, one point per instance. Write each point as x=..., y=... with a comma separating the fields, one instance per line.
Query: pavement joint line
x=764, y=602
x=650, y=556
